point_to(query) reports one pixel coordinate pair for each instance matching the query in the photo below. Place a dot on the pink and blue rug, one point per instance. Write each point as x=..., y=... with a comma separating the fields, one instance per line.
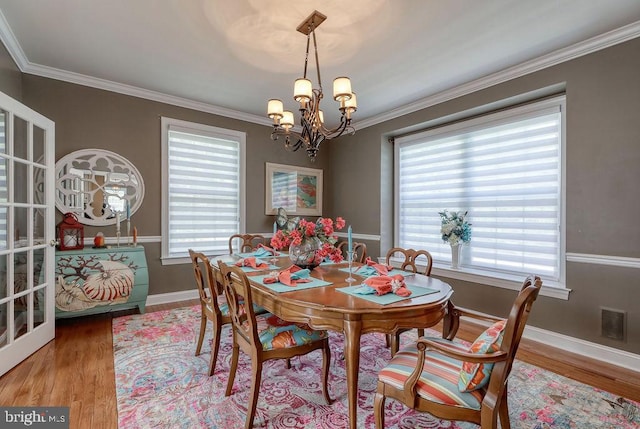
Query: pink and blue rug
x=161, y=384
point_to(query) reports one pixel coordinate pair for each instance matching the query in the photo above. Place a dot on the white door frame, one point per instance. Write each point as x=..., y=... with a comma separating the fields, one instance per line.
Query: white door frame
x=15, y=350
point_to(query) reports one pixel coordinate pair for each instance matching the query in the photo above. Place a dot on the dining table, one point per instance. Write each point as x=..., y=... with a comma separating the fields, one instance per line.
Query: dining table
x=328, y=306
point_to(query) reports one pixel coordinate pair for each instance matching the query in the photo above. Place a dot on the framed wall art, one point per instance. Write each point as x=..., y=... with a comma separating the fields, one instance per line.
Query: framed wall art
x=296, y=189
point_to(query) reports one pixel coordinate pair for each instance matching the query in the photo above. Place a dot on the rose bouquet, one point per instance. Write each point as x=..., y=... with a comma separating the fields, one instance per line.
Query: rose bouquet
x=321, y=231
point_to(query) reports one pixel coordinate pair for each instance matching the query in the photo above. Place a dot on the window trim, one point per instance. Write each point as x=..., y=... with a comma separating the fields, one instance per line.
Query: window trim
x=207, y=130
x=494, y=278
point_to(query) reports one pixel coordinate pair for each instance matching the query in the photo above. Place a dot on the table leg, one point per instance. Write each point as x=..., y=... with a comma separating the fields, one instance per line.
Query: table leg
x=352, y=330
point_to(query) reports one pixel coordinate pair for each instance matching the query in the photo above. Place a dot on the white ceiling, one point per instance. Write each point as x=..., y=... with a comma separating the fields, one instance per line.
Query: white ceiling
x=230, y=56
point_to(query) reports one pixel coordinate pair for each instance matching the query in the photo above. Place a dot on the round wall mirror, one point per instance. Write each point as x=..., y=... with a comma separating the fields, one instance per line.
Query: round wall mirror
x=95, y=184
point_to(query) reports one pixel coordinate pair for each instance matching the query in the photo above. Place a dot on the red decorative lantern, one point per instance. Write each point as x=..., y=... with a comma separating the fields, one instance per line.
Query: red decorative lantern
x=70, y=233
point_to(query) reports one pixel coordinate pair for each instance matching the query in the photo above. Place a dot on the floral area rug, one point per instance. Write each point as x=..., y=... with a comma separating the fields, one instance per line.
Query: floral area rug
x=161, y=384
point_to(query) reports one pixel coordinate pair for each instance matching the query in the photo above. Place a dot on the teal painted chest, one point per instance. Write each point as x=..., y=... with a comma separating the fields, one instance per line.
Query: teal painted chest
x=92, y=281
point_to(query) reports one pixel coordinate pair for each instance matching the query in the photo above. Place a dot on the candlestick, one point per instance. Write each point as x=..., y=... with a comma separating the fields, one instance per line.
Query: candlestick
x=128, y=210
x=275, y=228
x=128, y=231
x=117, y=229
x=350, y=242
x=350, y=279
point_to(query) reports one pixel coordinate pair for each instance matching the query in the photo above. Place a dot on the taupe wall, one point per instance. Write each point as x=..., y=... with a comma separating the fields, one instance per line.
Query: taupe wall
x=91, y=118
x=602, y=177
x=603, y=155
x=10, y=75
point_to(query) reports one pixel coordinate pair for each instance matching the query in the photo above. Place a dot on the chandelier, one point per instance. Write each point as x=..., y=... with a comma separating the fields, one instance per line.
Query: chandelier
x=312, y=125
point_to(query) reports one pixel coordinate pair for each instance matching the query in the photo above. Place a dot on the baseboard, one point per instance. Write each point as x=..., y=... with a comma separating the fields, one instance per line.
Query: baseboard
x=577, y=346
x=166, y=298
x=588, y=349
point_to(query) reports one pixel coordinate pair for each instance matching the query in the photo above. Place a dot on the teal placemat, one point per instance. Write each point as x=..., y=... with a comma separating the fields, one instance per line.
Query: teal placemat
x=361, y=272
x=253, y=270
x=279, y=287
x=250, y=254
x=389, y=298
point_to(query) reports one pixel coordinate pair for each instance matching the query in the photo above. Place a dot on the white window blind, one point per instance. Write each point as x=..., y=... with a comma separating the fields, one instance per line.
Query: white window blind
x=505, y=170
x=204, y=188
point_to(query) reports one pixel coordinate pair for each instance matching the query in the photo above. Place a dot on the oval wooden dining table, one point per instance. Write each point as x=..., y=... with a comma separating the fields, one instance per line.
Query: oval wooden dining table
x=327, y=308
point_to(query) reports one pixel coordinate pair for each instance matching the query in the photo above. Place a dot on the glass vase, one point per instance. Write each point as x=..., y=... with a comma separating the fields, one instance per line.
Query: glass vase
x=456, y=250
x=304, y=255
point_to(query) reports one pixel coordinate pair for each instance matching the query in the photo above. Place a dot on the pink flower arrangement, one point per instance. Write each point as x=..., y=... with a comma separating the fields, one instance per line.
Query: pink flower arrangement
x=323, y=230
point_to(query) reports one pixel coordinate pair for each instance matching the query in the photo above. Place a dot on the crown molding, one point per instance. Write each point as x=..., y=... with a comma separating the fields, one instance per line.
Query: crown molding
x=107, y=85
x=605, y=40
x=594, y=44
x=11, y=43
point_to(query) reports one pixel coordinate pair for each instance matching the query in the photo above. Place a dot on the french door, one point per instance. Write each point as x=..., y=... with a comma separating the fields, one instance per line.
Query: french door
x=27, y=231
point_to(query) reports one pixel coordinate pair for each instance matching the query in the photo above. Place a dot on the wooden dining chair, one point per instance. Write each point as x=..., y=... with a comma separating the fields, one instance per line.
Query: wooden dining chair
x=245, y=242
x=213, y=304
x=359, y=249
x=264, y=337
x=409, y=262
x=454, y=381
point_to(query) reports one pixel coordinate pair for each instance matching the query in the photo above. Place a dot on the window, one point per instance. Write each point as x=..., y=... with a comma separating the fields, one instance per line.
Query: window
x=505, y=169
x=202, y=187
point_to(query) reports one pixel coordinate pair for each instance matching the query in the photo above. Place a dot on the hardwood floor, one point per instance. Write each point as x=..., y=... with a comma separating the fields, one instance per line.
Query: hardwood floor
x=76, y=370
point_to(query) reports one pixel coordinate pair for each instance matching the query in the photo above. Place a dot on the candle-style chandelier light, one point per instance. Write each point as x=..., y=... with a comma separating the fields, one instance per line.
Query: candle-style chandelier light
x=313, y=131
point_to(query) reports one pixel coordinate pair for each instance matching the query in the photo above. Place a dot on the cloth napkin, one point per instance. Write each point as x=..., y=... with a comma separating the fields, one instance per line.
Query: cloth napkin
x=262, y=251
x=372, y=268
x=382, y=285
x=290, y=277
x=252, y=262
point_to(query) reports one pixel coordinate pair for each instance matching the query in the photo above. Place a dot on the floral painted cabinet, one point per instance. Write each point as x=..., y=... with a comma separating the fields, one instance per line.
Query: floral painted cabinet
x=91, y=281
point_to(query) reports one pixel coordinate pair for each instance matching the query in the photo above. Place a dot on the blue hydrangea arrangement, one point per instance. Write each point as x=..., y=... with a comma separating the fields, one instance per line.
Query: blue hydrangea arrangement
x=455, y=228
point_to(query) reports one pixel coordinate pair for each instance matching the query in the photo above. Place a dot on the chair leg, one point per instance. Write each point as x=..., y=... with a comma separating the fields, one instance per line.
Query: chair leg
x=326, y=363
x=288, y=363
x=378, y=410
x=504, y=411
x=395, y=343
x=256, y=378
x=203, y=326
x=387, y=340
x=420, y=332
x=234, y=365
x=215, y=346
x=488, y=417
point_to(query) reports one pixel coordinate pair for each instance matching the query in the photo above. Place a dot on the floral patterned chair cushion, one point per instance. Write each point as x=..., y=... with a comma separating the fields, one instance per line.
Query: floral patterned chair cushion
x=276, y=333
x=475, y=376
